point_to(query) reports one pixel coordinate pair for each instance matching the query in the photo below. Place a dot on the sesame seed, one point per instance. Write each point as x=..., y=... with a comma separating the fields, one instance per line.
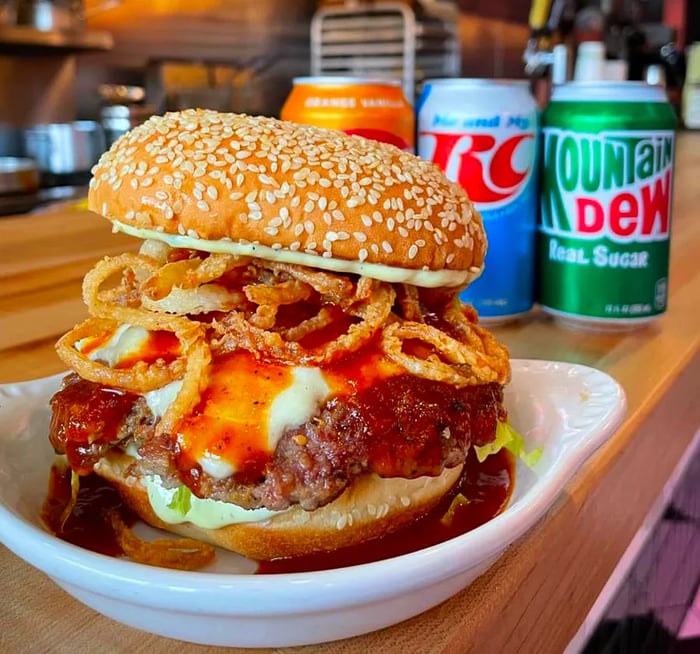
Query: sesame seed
x=202, y=144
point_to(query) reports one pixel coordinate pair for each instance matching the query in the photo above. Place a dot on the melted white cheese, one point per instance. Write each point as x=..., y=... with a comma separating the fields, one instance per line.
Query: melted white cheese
x=296, y=404
x=160, y=399
x=394, y=275
x=215, y=466
x=208, y=514
x=293, y=406
x=126, y=341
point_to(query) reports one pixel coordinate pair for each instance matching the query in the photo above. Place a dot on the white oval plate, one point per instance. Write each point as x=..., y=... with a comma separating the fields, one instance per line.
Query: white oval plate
x=568, y=410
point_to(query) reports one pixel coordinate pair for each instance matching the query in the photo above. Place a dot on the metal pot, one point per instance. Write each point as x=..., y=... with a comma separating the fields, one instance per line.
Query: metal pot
x=10, y=141
x=65, y=148
x=117, y=119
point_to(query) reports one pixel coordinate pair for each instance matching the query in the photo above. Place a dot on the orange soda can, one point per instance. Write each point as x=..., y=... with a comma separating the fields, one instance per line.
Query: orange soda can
x=370, y=107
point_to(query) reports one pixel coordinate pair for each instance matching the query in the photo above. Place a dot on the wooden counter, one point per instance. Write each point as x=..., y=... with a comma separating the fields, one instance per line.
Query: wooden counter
x=536, y=596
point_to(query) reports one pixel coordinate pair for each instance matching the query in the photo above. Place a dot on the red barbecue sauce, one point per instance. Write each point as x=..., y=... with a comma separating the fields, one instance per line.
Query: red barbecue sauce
x=88, y=524
x=85, y=420
x=488, y=487
x=158, y=345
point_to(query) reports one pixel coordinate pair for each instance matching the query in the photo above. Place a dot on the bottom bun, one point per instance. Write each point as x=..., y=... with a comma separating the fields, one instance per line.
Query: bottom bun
x=371, y=507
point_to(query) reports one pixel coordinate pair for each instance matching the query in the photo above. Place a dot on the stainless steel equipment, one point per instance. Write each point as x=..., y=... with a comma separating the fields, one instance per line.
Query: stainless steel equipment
x=65, y=148
x=117, y=119
x=18, y=175
x=10, y=141
x=387, y=39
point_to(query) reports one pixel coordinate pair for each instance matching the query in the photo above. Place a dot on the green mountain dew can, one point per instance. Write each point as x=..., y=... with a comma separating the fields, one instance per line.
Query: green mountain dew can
x=607, y=180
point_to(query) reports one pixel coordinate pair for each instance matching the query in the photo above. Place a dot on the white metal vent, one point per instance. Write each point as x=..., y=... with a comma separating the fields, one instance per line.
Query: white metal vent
x=377, y=40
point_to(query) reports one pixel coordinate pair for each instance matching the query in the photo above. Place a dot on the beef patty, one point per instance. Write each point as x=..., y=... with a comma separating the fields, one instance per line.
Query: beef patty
x=403, y=426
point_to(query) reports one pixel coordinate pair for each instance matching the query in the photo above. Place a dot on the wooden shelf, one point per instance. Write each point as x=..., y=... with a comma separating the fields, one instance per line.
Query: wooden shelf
x=27, y=41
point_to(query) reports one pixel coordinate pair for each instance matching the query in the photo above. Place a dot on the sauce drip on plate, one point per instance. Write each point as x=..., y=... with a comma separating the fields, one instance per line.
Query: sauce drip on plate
x=88, y=524
x=488, y=487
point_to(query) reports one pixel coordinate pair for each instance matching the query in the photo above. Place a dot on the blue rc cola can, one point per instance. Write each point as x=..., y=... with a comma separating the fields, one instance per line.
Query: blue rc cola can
x=484, y=135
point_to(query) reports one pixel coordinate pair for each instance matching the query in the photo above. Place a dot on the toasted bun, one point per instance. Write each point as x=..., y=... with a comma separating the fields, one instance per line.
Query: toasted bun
x=255, y=180
x=371, y=507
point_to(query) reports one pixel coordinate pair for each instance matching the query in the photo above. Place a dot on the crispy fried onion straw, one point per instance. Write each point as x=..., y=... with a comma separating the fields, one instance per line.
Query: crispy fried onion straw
x=451, y=360
x=277, y=311
x=237, y=332
x=180, y=553
x=141, y=377
x=185, y=286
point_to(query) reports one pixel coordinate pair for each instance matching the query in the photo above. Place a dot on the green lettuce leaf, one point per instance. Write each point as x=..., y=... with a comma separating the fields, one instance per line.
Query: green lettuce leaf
x=512, y=440
x=181, y=500
x=457, y=501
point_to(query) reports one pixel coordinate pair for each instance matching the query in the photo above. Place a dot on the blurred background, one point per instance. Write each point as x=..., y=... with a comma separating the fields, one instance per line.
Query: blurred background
x=75, y=74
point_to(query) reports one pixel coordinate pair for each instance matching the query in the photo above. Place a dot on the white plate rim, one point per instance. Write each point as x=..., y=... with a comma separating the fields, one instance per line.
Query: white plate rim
x=282, y=589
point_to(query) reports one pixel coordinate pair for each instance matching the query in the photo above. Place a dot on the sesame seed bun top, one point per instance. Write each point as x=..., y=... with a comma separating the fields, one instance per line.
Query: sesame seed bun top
x=296, y=189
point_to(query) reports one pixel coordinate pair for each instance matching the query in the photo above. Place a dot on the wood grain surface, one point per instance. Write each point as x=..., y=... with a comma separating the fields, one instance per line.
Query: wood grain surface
x=536, y=596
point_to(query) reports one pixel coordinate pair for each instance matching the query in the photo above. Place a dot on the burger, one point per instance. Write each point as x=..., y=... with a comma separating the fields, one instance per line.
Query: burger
x=284, y=367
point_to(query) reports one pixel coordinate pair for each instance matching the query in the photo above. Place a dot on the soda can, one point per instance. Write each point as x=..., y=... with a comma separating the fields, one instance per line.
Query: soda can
x=374, y=108
x=484, y=135
x=607, y=180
